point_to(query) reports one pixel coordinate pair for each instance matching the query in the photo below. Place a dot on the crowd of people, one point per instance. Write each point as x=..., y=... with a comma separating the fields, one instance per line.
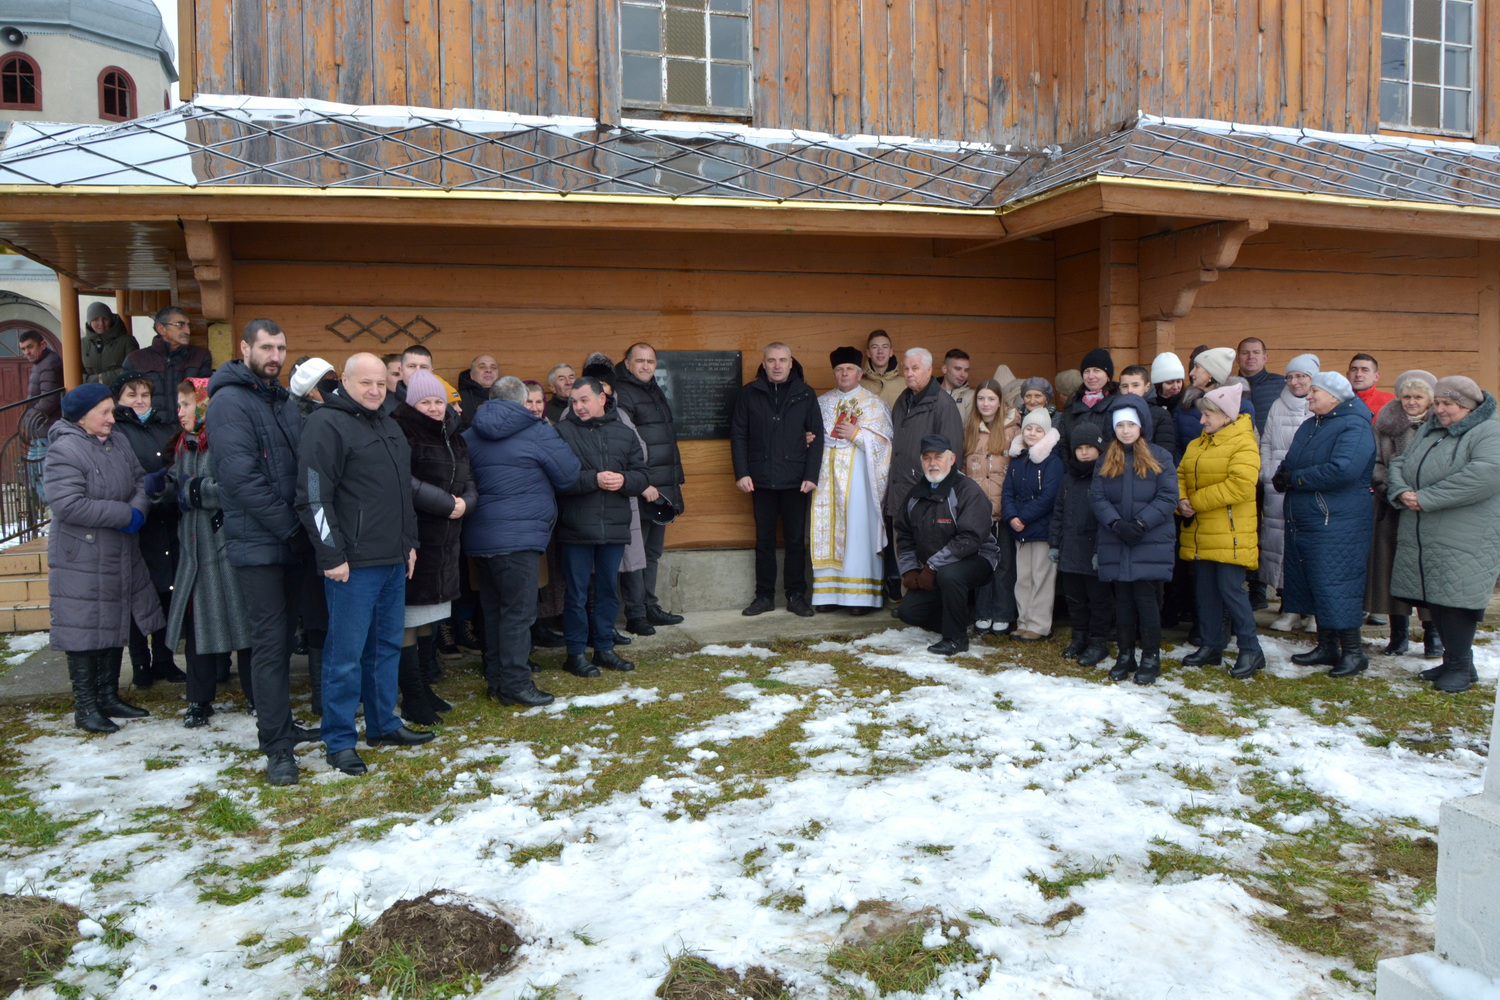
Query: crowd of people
x=380, y=519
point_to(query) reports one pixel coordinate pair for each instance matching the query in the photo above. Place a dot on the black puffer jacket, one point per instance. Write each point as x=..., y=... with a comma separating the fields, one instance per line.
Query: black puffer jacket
x=439, y=472
x=647, y=406
x=256, y=431
x=768, y=433
x=931, y=411
x=944, y=523
x=588, y=515
x=167, y=365
x=471, y=396
x=354, y=486
x=1077, y=410
x=152, y=443
x=1074, y=532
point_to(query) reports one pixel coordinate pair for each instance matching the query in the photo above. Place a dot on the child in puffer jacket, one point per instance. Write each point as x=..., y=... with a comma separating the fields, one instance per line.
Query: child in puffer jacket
x=1031, y=484
x=1091, y=604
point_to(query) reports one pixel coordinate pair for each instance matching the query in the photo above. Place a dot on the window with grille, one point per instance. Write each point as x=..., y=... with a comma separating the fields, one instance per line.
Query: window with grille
x=116, y=95
x=686, y=55
x=1427, y=66
x=20, y=83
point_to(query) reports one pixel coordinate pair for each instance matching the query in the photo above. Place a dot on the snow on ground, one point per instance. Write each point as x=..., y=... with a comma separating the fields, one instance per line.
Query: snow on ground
x=22, y=645
x=979, y=784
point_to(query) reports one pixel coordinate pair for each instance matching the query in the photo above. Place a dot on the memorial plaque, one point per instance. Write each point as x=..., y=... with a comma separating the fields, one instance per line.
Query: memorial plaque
x=701, y=387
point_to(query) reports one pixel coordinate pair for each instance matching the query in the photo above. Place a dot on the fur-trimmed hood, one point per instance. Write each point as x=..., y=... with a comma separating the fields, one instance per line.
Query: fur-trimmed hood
x=1039, y=451
x=1392, y=421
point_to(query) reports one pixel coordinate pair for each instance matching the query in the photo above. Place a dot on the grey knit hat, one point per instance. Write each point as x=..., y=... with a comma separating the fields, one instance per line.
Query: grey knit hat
x=1335, y=385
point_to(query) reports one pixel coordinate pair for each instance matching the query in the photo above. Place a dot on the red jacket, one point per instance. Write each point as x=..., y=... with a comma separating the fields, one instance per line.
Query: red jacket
x=1375, y=399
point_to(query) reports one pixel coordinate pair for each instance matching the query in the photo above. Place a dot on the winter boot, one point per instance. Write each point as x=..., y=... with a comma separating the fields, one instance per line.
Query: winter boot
x=108, y=681
x=1352, y=659
x=83, y=670
x=1432, y=642
x=140, y=659
x=1124, y=664
x=1094, y=653
x=315, y=678
x=1207, y=656
x=414, y=706
x=446, y=646
x=467, y=636
x=429, y=669
x=1400, y=634
x=1458, y=673
x=1150, y=668
x=1249, y=662
x=1325, y=654
x=197, y=714
x=1076, y=645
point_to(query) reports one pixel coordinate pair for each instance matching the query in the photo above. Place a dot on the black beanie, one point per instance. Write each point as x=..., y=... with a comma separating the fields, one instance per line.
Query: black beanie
x=846, y=356
x=1098, y=358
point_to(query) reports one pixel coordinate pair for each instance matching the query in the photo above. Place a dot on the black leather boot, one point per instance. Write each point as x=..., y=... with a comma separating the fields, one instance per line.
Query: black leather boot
x=1432, y=642
x=198, y=714
x=83, y=669
x=1250, y=661
x=1459, y=673
x=1076, y=645
x=1208, y=656
x=1150, y=668
x=1124, y=664
x=140, y=659
x=1325, y=653
x=108, y=679
x=543, y=637
x=611, y=660
x=1400, y=636
x=578, y=665
x=1095, y=653
x=1352, y=659
x=429, y=670
x=315, y=678
x=414, y=707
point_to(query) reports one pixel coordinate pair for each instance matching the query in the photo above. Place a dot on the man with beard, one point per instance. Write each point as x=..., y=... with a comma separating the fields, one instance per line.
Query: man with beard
x=944, y=548
x=256, y=432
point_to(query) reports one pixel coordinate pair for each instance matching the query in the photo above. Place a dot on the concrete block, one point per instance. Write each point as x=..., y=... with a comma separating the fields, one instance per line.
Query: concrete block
x=713, y=579
x=21, y=564
x=1468, y=884
x=36, y=591
x=12, y=591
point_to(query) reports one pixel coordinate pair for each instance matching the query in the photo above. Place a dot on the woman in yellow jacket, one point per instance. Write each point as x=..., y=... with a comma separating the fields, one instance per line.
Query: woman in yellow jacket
x=1216, y=481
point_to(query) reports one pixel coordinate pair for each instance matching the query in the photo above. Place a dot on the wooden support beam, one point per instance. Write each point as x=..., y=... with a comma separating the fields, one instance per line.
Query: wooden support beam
x=1489, y=317
x=208, y=249
x=1174, y=266
x=70, y=331
x=122, y=306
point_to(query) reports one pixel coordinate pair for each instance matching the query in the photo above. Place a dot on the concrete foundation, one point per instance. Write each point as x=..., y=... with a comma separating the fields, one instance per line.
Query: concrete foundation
x=712, y=579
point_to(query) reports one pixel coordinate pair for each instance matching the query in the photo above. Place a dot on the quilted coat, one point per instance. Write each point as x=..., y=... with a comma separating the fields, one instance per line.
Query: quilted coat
x=1074, y=531
x=1152, y=501
x=989, y=470
x=1394, y=430
x=204, y=577
x=1329, y=516
x=1282, y=420
x=439, y=472
x=1031, y=484
x=1217, y=476
x=520, y=464
x=1449, y=553
x=1186, y=414
x=97, y=578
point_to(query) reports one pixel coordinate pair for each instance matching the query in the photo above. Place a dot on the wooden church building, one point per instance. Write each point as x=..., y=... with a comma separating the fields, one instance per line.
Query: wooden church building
x=1025, y=179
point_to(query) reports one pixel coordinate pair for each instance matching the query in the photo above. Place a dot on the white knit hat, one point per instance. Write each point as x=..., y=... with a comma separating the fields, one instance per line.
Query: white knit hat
x=1039, y=417
x=1167, y=368
x=1217, y=361
x=307, y=375
x=1306, y=364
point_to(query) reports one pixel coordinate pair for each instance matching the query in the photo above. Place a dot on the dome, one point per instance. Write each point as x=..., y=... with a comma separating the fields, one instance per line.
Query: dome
x=131, y=25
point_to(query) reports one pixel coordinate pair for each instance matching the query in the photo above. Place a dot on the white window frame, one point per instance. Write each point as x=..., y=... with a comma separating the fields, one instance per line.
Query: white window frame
x=1388, y=35
x=706, y=60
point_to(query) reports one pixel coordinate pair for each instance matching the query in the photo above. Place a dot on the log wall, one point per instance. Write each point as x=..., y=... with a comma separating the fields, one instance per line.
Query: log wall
x=534, y=298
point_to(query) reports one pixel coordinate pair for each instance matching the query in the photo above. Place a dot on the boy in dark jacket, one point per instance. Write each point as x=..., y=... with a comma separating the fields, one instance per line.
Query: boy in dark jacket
x=1136, y=381
x=1072, y=541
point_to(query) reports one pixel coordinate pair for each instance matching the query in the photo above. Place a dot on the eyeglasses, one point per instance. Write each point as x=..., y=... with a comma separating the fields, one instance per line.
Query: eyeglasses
x=178, y=323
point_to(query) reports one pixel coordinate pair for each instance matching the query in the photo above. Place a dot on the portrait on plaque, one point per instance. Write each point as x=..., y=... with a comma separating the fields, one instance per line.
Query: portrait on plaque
x=701, y=388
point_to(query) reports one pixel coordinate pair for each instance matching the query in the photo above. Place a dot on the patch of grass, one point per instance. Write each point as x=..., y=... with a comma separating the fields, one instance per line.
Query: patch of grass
x=1068, y=913
x=1069, y=877
x=690, y=977
x=937, y=849
x=1173, y=859
x=395, y=973
x=901, y=962
x=161, y=763
x=1194, y=777
x=1205, y=720
x=266, y=867
x=226, y=896
x=222, y=814
x=546, y=852
x=22, y=822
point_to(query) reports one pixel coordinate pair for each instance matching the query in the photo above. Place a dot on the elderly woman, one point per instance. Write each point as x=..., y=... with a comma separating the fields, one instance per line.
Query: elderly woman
x=1280, y=426
x=1329, y=520
x=1447, y=486
x=1216, y=482
x=1395, y=426
x=98, y=581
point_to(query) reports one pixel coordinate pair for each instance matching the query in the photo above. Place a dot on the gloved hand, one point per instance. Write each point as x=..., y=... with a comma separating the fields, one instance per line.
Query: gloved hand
x=190, y=494
x=927, y=579
x=136, y=520
x=155, y=483
x=1130, y=531
x=1279, y=482
x=1054, y=554
x=909, y=579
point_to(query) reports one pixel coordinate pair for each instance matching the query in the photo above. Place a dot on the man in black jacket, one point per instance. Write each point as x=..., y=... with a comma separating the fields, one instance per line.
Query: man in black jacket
x=474, y=386
x=944, y=548
x=639, y=395
x=776, y=443
x=171, y=356
x=593, y=524
x=354, y=498
x=256, y=431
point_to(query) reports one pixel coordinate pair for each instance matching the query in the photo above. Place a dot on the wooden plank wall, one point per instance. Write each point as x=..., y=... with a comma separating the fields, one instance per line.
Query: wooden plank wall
x=534, y=298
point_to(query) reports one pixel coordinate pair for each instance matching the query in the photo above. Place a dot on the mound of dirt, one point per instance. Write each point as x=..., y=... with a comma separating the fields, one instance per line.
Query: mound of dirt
x=694, y=978
x=446, y=936
x=36, y=935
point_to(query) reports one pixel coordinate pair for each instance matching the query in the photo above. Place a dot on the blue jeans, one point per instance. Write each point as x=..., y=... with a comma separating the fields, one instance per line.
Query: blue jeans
x=578, y=563
x=365, y=618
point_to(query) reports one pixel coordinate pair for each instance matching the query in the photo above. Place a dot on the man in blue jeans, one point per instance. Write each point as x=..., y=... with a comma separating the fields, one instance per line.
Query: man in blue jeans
x=593, y=524
x=354, y=497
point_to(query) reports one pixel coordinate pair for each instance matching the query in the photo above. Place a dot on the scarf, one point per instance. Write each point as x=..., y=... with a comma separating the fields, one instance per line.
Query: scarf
x=199, y=432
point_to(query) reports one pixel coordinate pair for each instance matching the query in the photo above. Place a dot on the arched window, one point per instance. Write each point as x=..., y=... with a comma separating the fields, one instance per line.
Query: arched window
x=116, y=95
x=20, y=83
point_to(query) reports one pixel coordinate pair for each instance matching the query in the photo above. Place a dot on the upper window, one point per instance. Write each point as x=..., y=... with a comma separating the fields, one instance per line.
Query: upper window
x=1427, y=66
x=686, y=55
x=20, y=83
x=116, y=95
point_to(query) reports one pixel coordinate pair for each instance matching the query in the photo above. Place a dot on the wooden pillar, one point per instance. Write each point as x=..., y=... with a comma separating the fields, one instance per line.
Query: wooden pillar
x=122, y=306
x=1489, y=317
x=1119, y=289
x=70, y=333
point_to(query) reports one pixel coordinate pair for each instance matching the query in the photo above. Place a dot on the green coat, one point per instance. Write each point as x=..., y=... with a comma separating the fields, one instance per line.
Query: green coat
x=1448, y=553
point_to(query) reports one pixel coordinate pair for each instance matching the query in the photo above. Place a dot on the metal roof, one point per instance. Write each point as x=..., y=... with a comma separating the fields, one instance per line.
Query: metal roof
x=132, y=25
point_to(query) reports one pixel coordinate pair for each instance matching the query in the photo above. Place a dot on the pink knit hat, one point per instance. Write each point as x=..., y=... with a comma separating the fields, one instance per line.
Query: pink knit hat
x=422, y=384
x=1226, y=398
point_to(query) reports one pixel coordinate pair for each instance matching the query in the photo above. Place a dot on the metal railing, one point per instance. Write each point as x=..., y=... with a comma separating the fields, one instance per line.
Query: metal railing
x=24, y=515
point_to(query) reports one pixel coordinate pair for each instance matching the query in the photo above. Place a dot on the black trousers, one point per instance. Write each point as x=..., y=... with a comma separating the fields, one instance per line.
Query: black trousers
x=790, y=508
x=1456, y=626
x=1138, y=614
x=997, y=598
x=1220, y=588
x=507, y=595
x=273, y=599
x=1090, y=604
x=949, y=608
